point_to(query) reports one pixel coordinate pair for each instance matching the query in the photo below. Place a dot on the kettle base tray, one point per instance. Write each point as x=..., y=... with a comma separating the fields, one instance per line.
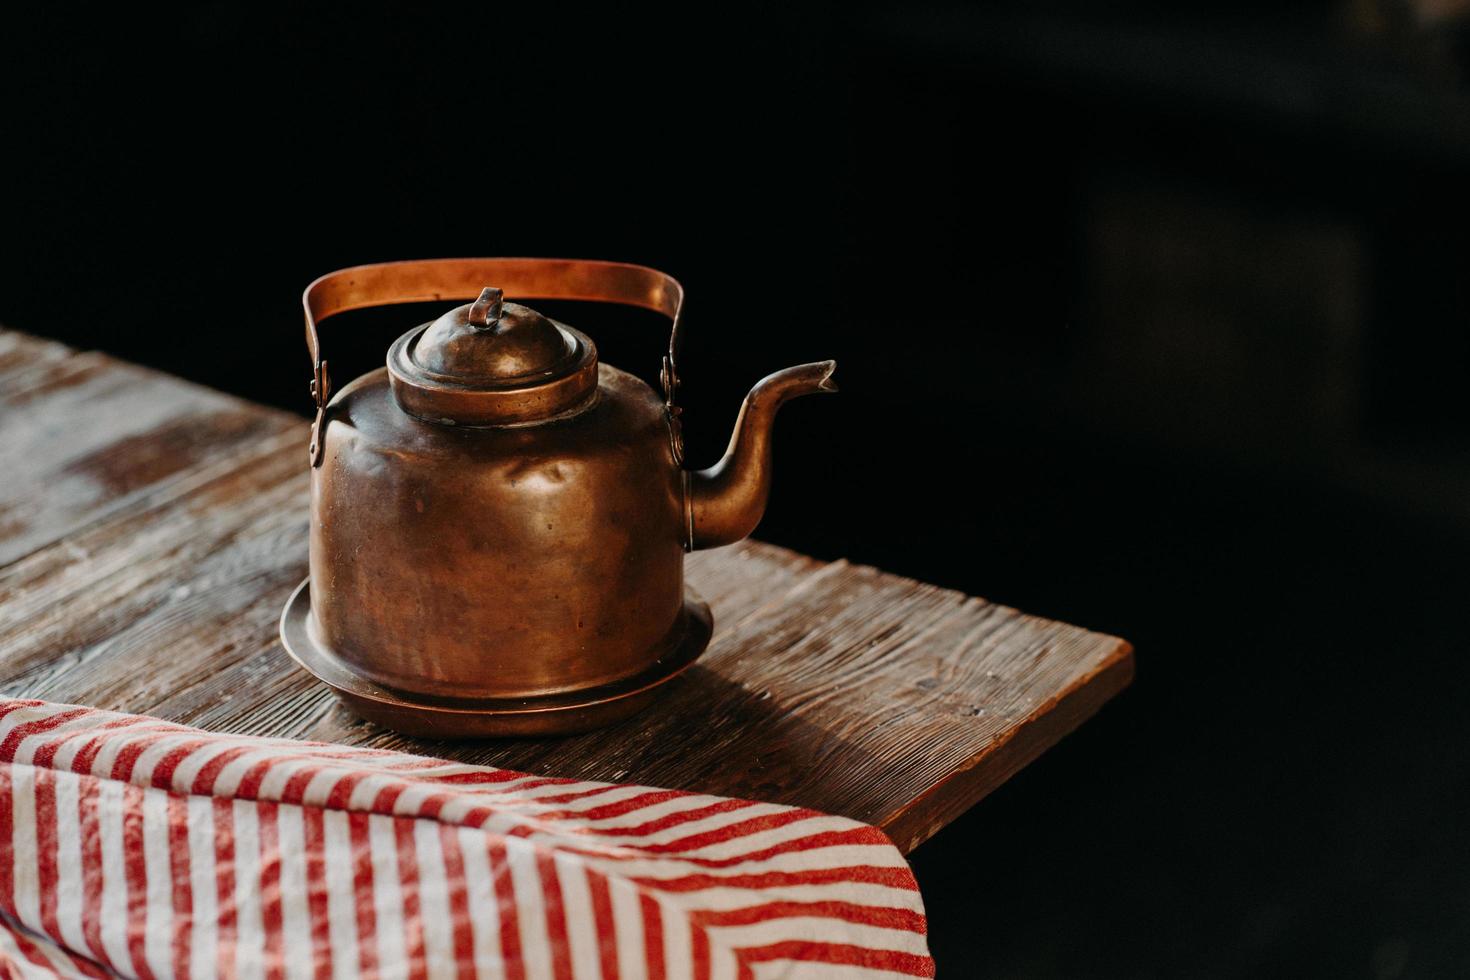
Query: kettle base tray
x=428, y=716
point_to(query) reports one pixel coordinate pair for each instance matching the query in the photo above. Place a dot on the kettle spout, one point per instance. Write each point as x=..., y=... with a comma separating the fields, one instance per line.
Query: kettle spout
x=726, y=501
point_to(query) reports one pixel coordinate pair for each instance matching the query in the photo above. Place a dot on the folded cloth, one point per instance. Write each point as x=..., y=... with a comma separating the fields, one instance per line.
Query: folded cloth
x=133, y=846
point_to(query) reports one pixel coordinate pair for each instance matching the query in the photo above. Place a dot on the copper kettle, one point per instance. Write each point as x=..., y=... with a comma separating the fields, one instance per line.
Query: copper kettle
x=499, y=520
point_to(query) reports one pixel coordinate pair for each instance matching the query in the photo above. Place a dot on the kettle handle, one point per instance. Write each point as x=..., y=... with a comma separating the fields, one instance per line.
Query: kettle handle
x=426, y=280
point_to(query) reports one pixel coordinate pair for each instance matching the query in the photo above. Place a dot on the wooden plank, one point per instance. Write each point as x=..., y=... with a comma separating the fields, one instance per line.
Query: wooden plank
x=833, y=686
x=83, y=436
x=21, y=354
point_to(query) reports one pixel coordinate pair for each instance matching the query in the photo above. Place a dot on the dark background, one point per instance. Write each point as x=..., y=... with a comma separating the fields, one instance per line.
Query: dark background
x=1153, y=322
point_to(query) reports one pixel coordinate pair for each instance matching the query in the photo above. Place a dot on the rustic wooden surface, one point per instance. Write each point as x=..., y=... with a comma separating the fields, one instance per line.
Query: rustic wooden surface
x=150, y=531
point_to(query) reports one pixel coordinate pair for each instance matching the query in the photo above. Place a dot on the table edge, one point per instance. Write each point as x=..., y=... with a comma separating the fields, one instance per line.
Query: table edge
x=1046, y=725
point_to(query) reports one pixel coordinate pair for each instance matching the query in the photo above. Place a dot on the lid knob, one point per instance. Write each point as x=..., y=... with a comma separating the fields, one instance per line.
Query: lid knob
x=486, y=311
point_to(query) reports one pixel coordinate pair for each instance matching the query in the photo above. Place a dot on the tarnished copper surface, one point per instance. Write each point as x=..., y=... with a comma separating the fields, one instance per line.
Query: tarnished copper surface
x=498, y=520
x=467, y=368
x=454, y=717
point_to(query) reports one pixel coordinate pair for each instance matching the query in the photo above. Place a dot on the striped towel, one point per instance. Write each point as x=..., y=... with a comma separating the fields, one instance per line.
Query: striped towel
x=138, y=847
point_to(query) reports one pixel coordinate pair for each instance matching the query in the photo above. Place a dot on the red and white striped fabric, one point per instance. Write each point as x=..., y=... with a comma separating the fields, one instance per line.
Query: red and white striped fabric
x=134, y=846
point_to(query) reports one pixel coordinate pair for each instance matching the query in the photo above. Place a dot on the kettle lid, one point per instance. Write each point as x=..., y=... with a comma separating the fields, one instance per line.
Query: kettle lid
x=491, y=363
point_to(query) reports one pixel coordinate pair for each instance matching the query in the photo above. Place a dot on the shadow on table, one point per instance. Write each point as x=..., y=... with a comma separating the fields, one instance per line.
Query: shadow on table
x=706, y=733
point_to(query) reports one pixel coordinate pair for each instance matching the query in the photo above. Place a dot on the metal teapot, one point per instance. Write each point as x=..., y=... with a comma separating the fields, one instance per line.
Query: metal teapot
x=498, y=520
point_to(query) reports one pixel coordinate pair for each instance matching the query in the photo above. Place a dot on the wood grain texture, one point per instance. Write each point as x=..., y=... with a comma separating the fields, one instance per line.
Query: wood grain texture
x=828, y=685
x=83, y=436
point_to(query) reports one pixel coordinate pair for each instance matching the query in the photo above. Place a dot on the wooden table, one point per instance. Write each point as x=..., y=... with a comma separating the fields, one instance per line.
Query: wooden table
x=151, y=529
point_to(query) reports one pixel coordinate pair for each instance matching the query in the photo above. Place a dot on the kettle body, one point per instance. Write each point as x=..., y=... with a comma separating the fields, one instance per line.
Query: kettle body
x=509, y=562
x=499, y=520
